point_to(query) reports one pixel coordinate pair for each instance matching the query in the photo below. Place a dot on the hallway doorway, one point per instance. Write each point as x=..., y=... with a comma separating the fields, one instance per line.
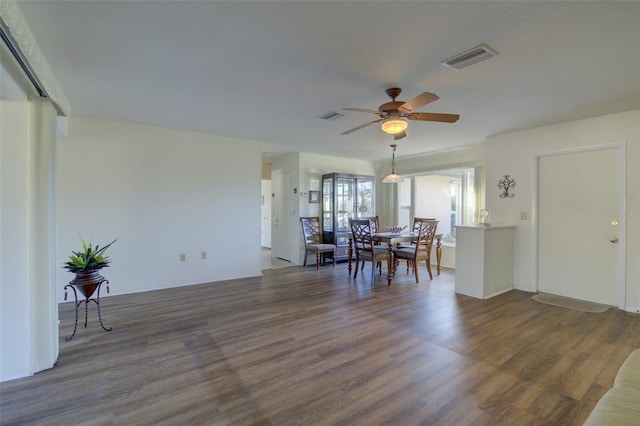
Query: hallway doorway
x=268, y=262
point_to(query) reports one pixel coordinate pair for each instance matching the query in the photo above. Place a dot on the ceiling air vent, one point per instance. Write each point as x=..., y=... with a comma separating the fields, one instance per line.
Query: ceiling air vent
x=471, y=57
x=331, y=115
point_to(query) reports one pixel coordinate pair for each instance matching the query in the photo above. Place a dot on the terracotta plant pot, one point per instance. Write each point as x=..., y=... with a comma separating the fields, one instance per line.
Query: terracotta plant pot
x=88, y=281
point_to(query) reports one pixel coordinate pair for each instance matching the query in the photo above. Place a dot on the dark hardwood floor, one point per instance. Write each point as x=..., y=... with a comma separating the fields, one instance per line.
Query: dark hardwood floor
x=300, y=346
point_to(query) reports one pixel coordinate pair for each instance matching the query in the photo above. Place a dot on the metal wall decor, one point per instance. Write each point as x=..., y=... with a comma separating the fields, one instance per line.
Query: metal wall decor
x=506, y=184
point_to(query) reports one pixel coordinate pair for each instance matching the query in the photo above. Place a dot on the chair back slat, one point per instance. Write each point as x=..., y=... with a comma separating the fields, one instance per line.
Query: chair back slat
x=418, y=220
x=311, y=229
x=313, y=241
x=361, y=230
x=426, y=234
x=421, y=248
x=375, y=227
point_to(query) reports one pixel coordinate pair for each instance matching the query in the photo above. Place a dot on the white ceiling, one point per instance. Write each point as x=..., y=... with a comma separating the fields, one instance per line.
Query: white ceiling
x=266, y=70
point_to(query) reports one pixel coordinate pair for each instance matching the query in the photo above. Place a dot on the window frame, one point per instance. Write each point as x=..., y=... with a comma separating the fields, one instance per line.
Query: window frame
x=468, y=217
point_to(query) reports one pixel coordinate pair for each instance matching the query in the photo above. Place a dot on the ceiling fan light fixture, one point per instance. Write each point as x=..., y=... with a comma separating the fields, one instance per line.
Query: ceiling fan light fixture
x=394, y=125
x=393, y=177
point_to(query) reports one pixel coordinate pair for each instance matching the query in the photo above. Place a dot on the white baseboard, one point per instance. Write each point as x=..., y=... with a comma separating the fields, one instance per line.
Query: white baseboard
x=497, y=293
x=632, y=310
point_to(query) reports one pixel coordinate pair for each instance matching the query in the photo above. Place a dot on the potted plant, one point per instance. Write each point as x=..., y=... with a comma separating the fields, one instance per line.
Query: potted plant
x=86, y=264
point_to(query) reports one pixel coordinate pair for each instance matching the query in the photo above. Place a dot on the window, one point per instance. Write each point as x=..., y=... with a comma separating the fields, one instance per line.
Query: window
x=448, y=196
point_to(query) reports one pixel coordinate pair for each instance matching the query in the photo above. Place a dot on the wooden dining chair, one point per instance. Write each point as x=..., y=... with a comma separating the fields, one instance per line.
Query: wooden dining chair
x=419, y=251
x=365, y=249
x=375, y=224
x=415, y=229
x=375, y=227
x=418, y=220
x=313, y=242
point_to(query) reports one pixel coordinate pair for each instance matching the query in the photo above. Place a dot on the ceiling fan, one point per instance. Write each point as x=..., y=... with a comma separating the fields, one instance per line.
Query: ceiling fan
x=394, y=115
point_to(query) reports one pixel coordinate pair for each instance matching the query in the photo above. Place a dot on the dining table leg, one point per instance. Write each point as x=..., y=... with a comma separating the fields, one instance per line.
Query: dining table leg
x=438, y=254
x=389, y=263
x=349, y=253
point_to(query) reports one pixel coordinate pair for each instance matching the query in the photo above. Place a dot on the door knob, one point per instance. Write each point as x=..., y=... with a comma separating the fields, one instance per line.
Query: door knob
x=613, y=239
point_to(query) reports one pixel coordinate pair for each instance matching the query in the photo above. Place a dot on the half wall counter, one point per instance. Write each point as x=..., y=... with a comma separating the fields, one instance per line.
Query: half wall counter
x=484, y=260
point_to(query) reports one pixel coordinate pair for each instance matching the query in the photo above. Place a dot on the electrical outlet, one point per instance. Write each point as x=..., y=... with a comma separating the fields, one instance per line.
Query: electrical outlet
x=203, y=255
x=183, y=257
x=524, y=215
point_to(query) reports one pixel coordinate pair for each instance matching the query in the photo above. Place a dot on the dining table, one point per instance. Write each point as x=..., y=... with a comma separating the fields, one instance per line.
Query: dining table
x=392, y=239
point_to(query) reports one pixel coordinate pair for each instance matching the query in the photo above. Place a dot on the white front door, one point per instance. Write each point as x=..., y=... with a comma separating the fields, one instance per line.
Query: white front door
x=580, y=228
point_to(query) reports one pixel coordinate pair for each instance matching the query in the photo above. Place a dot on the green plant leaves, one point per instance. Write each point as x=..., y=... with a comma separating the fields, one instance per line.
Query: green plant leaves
x=91, y=257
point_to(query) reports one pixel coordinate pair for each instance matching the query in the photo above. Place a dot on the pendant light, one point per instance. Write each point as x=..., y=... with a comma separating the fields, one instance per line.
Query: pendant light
x=393, y=177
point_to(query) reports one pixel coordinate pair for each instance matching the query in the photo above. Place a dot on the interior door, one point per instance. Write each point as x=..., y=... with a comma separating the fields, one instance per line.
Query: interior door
x=579, y=231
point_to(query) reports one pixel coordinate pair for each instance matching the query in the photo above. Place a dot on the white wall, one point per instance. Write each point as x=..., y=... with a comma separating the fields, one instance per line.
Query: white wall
x=514, y=154
x=307, y=170
x=469, y=156
x=265, y=227
x=42, y=234
x=15, y=342
x=160, y=192
x=285, y=207
x=313, y=166
x=28, y=308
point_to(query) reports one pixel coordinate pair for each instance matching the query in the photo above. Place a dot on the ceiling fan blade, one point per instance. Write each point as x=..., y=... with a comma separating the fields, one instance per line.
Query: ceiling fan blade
x=419, y=101
x=365, y=110
x=399, y=136
x=433, y=116
x=361, y=126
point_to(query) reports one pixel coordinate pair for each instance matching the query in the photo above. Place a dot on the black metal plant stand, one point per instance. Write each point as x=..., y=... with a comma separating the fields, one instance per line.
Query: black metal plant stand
x=87, y=295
